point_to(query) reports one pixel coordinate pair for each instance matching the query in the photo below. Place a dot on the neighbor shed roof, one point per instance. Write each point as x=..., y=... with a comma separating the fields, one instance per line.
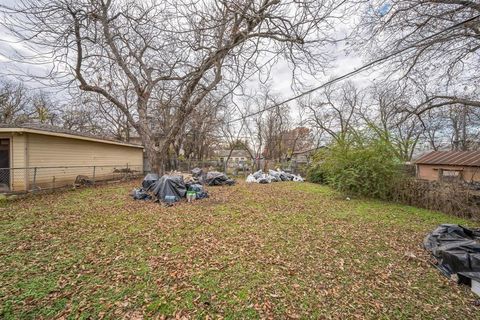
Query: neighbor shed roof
x=454, y=158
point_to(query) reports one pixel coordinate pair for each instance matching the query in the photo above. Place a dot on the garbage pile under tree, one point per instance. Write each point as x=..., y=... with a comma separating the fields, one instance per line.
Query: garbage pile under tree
x=176, y=186
x=457, y=253
x=168, y=189
x=272, y=176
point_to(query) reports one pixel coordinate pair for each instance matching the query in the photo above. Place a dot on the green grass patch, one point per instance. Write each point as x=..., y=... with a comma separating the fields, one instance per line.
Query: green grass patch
x=283, y=250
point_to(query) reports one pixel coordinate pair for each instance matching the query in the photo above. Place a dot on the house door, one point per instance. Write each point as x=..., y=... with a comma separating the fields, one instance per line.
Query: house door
x=4, y=165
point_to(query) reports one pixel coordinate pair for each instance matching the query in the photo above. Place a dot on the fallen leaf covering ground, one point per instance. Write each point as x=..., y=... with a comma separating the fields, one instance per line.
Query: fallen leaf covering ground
x=284, y=250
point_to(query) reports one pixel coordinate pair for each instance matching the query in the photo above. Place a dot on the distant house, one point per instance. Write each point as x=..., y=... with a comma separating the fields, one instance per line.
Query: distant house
x=41, y=155
x=303, y=156
x=237, y=156
x=449, y=165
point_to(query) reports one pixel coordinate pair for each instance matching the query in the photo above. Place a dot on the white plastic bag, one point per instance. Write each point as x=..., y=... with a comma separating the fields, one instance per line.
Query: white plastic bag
x=298, y=178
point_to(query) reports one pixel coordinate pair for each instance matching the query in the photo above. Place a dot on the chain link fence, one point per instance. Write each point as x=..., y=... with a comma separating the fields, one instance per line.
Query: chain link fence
x=236, y=168
x=21, y=180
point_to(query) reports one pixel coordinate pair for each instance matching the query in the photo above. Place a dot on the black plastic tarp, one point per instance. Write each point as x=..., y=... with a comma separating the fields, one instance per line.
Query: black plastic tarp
x=140, y=194
x=457, y=251
x=169, y=186
x=215, y=178
x=149, y=180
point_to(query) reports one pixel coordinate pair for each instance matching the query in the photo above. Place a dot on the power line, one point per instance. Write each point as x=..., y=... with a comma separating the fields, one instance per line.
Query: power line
x=354, y=72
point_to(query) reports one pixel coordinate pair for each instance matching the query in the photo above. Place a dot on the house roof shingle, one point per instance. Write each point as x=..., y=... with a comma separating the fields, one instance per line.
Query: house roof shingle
x=311, y=150
x=456, y=158
x=52, y=130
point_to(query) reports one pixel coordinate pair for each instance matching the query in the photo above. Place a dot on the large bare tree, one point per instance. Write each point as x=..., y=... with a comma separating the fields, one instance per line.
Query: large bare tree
x=20, y=104
x=385, y=115
x=14, y=102
x=334, y=110
x=166, y=55
x=455, y=127
x=443, y=42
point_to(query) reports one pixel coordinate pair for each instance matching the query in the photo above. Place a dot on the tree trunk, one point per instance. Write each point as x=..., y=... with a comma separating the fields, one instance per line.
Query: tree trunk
x=151, y=154
x=150, y=150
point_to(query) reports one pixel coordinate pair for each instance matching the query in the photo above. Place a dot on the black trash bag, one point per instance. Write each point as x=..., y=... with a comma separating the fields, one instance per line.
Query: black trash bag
x=197, y=172
x=287, y=176
x=172, y=186
x=283, y=176
x=274, y=175
x=195, y=187
x=215, y=178
x=202, y=195
x=140, y=194
x=149, y=180
x=257, y=175
x=264, y=180
x=198, y=188
x=457, y=251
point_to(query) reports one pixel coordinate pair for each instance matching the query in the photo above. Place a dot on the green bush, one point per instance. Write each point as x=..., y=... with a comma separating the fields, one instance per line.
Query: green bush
x=316, y=174
x=358, y=166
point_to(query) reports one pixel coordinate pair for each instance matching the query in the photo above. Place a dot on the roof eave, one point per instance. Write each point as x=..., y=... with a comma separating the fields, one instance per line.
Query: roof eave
x=447, y=164
x=67, y=135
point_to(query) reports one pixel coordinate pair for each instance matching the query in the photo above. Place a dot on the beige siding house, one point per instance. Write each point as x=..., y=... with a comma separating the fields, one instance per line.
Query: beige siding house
x=449, y=166
x=43, y=157
x=236, y=157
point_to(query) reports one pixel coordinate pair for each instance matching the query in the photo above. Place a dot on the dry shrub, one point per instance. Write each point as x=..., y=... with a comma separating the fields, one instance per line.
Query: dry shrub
x=454, y=198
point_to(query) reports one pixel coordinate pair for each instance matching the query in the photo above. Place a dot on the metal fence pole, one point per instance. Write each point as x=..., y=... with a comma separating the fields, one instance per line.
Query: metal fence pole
x=93, y=176
x=34, y=178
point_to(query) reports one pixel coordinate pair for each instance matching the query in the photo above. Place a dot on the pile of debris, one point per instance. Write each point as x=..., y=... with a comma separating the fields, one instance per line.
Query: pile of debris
x=176, y=186
x=456, y=250
x=272, y=176
x=215, y=178
x=168, y=189
x=212, y=178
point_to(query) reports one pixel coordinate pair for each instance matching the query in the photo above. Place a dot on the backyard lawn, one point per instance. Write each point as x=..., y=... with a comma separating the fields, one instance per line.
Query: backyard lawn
x=284, y=250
